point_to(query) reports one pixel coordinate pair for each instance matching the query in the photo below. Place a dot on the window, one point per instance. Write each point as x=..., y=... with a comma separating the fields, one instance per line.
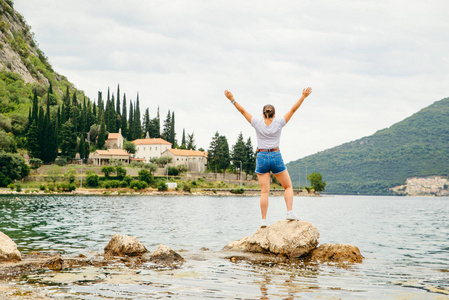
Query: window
x=150, y=148
x=143, y=148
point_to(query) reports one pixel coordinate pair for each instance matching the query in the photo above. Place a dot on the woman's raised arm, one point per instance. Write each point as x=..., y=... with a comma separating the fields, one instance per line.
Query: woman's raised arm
x=240, y=108
x=305, y=93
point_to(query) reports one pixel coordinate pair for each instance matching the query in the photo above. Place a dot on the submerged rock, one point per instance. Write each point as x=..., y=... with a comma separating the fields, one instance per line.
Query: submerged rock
x=337, y=253
x=8, y=249
x=287, y=238
x=165, y=255
x=121, y=245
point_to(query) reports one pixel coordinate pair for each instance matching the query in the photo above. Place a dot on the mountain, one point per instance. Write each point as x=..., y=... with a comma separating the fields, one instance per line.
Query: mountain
x=416, y=146
x=24, y=68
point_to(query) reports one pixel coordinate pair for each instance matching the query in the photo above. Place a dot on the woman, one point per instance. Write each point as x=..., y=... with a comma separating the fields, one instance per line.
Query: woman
x=268, y=131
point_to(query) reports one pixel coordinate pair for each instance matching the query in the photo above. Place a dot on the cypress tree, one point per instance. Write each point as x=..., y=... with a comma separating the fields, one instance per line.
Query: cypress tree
x=68, y=140
x=213, y=154
x=172, y=131
x=131, y=122
x=183, y=140
x=146, y=122
x=124, y=124
x=224, y=159
x=167, y=125
x=101, y=136
x=35, y=110
x=137, y=122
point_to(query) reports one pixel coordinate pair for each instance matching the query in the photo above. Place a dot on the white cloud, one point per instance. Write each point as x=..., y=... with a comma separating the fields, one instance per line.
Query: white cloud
x=371, y=63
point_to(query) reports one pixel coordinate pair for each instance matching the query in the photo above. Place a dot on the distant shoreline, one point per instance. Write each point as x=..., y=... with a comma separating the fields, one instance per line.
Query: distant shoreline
x=147, y=192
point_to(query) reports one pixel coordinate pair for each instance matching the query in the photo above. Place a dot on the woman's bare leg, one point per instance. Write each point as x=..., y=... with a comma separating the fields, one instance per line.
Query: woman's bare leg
x=286, y=182
x=264, y=181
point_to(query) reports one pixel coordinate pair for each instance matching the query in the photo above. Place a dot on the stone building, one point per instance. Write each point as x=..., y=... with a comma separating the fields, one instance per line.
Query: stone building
x=104, y=157
x=194, y=160
x=115, y=140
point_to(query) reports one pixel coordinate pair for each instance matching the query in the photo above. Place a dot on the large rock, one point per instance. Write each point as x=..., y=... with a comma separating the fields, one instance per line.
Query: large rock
x=165, y=255
x=121, y=245
x=8, y=249
x=337, y=253
x=288, y=238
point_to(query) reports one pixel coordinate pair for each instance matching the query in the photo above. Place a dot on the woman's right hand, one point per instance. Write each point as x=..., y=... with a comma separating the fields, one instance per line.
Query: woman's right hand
x=229, y=95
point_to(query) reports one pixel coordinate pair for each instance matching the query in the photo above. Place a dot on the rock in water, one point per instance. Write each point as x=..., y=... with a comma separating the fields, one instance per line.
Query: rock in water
x=288, y=238
x=8, y=249
x=337, y=253
x=166, y=255
x=121, y=245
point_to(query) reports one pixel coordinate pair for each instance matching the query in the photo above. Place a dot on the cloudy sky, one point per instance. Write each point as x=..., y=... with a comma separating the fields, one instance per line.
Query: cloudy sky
x=370, y=63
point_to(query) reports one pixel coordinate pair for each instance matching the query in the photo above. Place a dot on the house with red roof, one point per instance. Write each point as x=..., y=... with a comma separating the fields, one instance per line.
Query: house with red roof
x=148, y=148
x=194, y=160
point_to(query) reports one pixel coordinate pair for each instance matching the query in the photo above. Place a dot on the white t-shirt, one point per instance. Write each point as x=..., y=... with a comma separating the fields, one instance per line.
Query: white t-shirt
x=268, y=137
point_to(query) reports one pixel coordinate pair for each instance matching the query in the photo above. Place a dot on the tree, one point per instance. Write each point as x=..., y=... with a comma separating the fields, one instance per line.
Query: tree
x=239, y=153
x=137, y=122
x=316, y=181
x=121, y=172
x=107, y=170
x=166, y=130
x=68, y=140
x=150, y=167
x=102, y=135
x=124, y=120
x=191, y=142
x=12, y=167
x=224, y=159
x=35, y=163
x=54, y=173
x=145, y=175
x=250, y=165
x=129, y=147
x=7, y=142
x=212, y=154
x=183, y=140
x=172, y=131
x=147, y=122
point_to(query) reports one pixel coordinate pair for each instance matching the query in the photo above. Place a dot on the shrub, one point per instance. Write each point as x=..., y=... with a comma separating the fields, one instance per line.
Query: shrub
x=173, y=171
x=237, y=191
x=106, y=184
x=123, y=183
x=115, y=183
x=92, y=180
x=18, y=187
x=128, y=179
x=61, y=161
x=145, y=175
x=186, y=187
x=51, y=187
x=138, y=184
x=162, y=186
x=42, y=187
x=11, y=186
x=67, y=187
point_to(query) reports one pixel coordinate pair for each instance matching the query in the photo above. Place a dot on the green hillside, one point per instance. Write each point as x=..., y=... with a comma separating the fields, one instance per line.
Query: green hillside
x=416, y=146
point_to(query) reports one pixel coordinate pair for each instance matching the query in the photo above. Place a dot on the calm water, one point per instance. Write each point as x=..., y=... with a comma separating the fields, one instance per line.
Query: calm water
x=405, y=242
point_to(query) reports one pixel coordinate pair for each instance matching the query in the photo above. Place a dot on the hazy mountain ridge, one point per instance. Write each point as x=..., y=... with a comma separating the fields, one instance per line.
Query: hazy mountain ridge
x=416, y=146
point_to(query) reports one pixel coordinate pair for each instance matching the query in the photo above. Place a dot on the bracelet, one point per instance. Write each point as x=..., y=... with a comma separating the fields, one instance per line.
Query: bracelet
x=233, y=101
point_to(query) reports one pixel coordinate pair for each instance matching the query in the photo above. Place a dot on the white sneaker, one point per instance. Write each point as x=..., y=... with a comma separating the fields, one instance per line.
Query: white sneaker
x=291, y=216
x=263, y=223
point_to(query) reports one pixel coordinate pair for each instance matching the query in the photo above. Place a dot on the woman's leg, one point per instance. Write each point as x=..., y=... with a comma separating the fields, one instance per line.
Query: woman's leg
x=264, y=181
x=286, y=182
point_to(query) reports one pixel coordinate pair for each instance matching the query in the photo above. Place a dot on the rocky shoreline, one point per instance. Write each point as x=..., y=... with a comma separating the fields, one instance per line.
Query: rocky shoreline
x=286, y=242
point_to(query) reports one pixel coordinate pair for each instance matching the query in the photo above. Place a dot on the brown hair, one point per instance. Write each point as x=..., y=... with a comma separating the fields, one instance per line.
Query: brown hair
x=268, y=111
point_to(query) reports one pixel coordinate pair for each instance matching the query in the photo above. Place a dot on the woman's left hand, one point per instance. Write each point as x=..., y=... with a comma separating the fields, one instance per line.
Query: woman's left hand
x=306, y=92
x=229, y=95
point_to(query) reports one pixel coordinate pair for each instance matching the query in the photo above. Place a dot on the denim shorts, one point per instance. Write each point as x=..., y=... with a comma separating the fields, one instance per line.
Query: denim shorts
x=269, y=161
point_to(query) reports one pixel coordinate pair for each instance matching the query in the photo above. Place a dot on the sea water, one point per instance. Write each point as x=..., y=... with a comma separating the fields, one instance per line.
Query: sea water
x=405, y=242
